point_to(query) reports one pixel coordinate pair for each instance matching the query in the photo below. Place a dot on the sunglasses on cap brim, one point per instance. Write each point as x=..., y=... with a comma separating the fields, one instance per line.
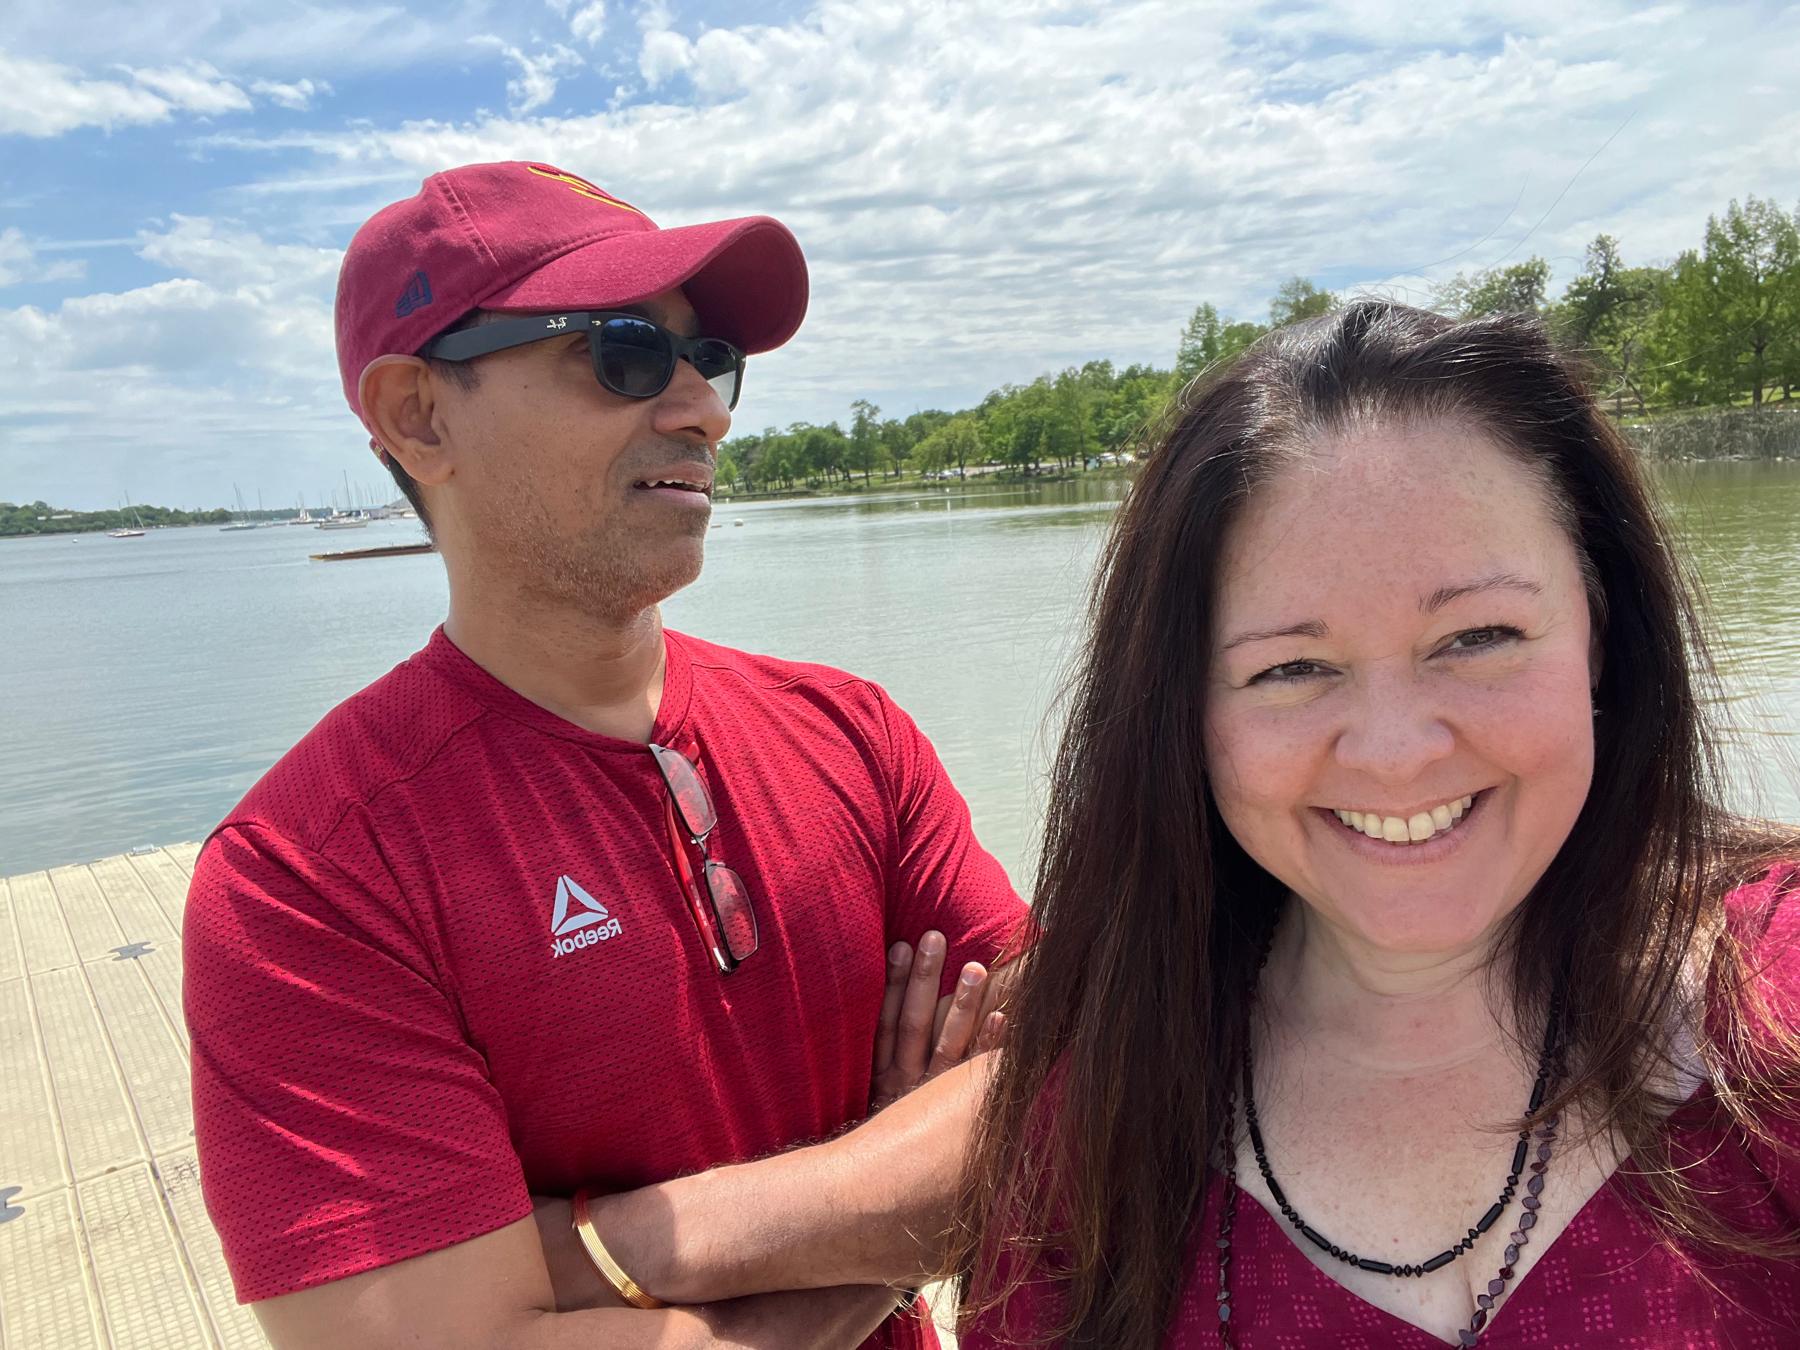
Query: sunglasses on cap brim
x=632, y=356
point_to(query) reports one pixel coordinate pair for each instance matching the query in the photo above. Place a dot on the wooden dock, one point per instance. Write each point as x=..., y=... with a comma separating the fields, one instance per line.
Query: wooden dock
x=104, y=1240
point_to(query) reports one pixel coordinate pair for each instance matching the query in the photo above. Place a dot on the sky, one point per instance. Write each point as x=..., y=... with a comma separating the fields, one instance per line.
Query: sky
x=986, y=190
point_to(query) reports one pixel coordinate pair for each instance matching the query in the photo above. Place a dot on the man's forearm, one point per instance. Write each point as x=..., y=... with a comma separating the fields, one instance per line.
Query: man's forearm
x=811, y=1319
x=869, y=1207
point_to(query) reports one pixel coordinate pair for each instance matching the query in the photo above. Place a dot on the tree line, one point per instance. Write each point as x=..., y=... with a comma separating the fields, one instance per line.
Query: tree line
x=40, y=518
x=1716, y=327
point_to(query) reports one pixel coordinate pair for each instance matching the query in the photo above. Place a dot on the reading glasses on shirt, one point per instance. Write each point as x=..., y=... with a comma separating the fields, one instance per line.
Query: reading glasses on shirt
x=717, y=898
x=632, y=356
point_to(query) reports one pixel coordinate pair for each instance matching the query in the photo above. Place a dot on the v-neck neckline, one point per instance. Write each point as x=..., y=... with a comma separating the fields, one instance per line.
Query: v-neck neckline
x=1695, y=1101
x=1528, y=1281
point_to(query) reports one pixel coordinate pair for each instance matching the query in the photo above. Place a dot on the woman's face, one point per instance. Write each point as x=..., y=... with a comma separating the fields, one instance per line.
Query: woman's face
x=1402, y=640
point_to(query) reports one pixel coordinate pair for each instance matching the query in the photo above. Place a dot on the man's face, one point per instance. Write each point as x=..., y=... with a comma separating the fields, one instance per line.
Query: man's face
x=553, y=487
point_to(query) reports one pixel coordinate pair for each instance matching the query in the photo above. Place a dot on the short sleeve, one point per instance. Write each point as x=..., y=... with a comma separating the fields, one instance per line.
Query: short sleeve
x=943, y=878
x=1766, y=915
x=343, y=1119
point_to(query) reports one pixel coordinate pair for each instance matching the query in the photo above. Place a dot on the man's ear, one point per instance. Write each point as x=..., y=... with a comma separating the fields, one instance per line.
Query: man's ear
x=398, y=401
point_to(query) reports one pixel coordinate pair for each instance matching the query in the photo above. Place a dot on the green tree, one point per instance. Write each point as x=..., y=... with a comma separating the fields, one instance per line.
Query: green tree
x=1518, y=289
x=1297, y=298
x=865, y=437
x=962, y=443
x=1136, y=403
x=1608, y=312
x=1209, y=339
x=727, y=469
x=1751, y=273
x=1200, y=343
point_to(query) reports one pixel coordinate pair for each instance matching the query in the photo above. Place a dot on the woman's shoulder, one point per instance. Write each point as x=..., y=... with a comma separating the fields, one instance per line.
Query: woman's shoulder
x=1755, y=990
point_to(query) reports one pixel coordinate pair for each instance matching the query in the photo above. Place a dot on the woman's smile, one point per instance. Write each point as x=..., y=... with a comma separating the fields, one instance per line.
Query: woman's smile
x=1426, y=836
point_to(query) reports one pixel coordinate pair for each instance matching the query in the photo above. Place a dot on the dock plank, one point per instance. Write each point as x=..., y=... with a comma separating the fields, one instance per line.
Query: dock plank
x=147, y=1296
x=12, y=964
x=46, y=1302
x=184, y=854
x=164, y=878
x=150, y=1055
x=163, y=967
x=29, y=1156
x=43, y=935
x=96, y=1119
x=84, y=908
x=140, y=918
x=235, y=1325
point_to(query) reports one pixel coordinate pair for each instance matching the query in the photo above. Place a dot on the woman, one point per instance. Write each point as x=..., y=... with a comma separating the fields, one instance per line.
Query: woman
x=1400, y=980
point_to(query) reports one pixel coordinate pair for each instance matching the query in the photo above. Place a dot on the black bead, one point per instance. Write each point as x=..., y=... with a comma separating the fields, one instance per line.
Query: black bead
x=1518, y=1159
x=1439, y=1261
x=1313, y=1236
x=1375, y=1267
x=1486, y=1221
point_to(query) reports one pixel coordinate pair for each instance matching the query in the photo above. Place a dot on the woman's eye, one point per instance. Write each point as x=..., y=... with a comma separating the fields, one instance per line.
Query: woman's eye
x=1286, y=673
x=1479, y=639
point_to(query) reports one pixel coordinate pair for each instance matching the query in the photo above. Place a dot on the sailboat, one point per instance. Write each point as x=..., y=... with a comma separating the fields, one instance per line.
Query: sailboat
x=124, y=533
x=243, y=522
x=339, y=520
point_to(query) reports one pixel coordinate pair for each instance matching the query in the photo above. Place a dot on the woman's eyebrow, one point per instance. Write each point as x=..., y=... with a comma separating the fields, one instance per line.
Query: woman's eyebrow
x=1498, y=581
x=1311, y=628
x=1443, y=595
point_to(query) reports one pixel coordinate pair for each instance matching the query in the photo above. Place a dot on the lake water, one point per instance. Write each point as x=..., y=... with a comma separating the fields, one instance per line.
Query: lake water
x=148, y=682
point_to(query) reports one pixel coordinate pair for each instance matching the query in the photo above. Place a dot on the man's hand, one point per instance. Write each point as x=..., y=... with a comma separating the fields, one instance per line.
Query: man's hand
x=919, y=1035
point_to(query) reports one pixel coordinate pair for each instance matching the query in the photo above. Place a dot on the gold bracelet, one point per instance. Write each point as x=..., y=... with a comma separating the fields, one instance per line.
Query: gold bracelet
x=626, y=1287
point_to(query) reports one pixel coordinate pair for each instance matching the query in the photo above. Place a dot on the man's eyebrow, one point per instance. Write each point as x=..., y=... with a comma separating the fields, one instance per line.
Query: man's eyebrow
x=1498, y=581
x=1311, y=628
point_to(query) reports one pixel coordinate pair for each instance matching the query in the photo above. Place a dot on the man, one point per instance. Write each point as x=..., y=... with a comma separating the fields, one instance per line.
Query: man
x=567, y=900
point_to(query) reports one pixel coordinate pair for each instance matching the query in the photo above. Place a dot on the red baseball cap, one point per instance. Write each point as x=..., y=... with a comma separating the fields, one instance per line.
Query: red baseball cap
x=521, y=236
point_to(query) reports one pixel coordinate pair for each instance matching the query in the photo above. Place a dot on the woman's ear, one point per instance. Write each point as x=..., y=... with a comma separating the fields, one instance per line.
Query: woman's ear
x=398, y=400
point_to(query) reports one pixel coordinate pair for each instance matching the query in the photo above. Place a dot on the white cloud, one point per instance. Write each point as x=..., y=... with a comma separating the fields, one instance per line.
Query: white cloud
x=539, y=73
x=232, y=257
x=42, y=99
x=196, y=88
x=586, y=18
x=19, y=262
x=663, y=53
x=297, y=96
x=985, y=190
x=229, y=360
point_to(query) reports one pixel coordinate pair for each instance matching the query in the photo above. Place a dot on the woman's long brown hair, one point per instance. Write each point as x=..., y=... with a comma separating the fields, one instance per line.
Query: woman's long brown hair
x=1109, y=1102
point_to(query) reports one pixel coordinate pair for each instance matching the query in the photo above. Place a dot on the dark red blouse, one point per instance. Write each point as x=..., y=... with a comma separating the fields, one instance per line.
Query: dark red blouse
x=1607, y=1280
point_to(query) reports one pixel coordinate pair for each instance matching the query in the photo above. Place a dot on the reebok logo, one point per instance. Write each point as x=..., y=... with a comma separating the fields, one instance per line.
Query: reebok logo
x=578, y=920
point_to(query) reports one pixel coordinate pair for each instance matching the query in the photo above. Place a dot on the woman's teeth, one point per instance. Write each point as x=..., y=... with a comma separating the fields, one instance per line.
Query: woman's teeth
x=1403, y=830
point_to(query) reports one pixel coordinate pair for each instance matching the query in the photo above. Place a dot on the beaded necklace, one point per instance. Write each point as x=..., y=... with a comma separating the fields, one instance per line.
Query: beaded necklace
x=1548, y=1069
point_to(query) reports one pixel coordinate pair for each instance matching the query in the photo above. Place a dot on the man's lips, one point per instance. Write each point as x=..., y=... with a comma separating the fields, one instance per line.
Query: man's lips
x=682, y=481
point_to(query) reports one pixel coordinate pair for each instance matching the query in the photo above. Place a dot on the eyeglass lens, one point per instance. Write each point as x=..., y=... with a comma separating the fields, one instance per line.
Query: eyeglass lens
x=693, y=804
x=737, y=919
x=636, y=358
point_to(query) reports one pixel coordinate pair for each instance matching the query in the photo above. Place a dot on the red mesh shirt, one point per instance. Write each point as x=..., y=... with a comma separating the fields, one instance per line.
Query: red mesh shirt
x=438, y=958
x=1607, y=1279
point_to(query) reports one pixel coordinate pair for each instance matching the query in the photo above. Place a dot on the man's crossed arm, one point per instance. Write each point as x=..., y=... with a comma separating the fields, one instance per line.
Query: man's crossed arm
x=802, y=1251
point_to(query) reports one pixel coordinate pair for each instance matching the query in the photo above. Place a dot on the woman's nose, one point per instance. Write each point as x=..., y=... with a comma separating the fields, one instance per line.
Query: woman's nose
x=1394, y=732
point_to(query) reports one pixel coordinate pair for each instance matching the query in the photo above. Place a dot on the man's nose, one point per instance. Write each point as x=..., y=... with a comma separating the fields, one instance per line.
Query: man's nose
x=691, y=408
